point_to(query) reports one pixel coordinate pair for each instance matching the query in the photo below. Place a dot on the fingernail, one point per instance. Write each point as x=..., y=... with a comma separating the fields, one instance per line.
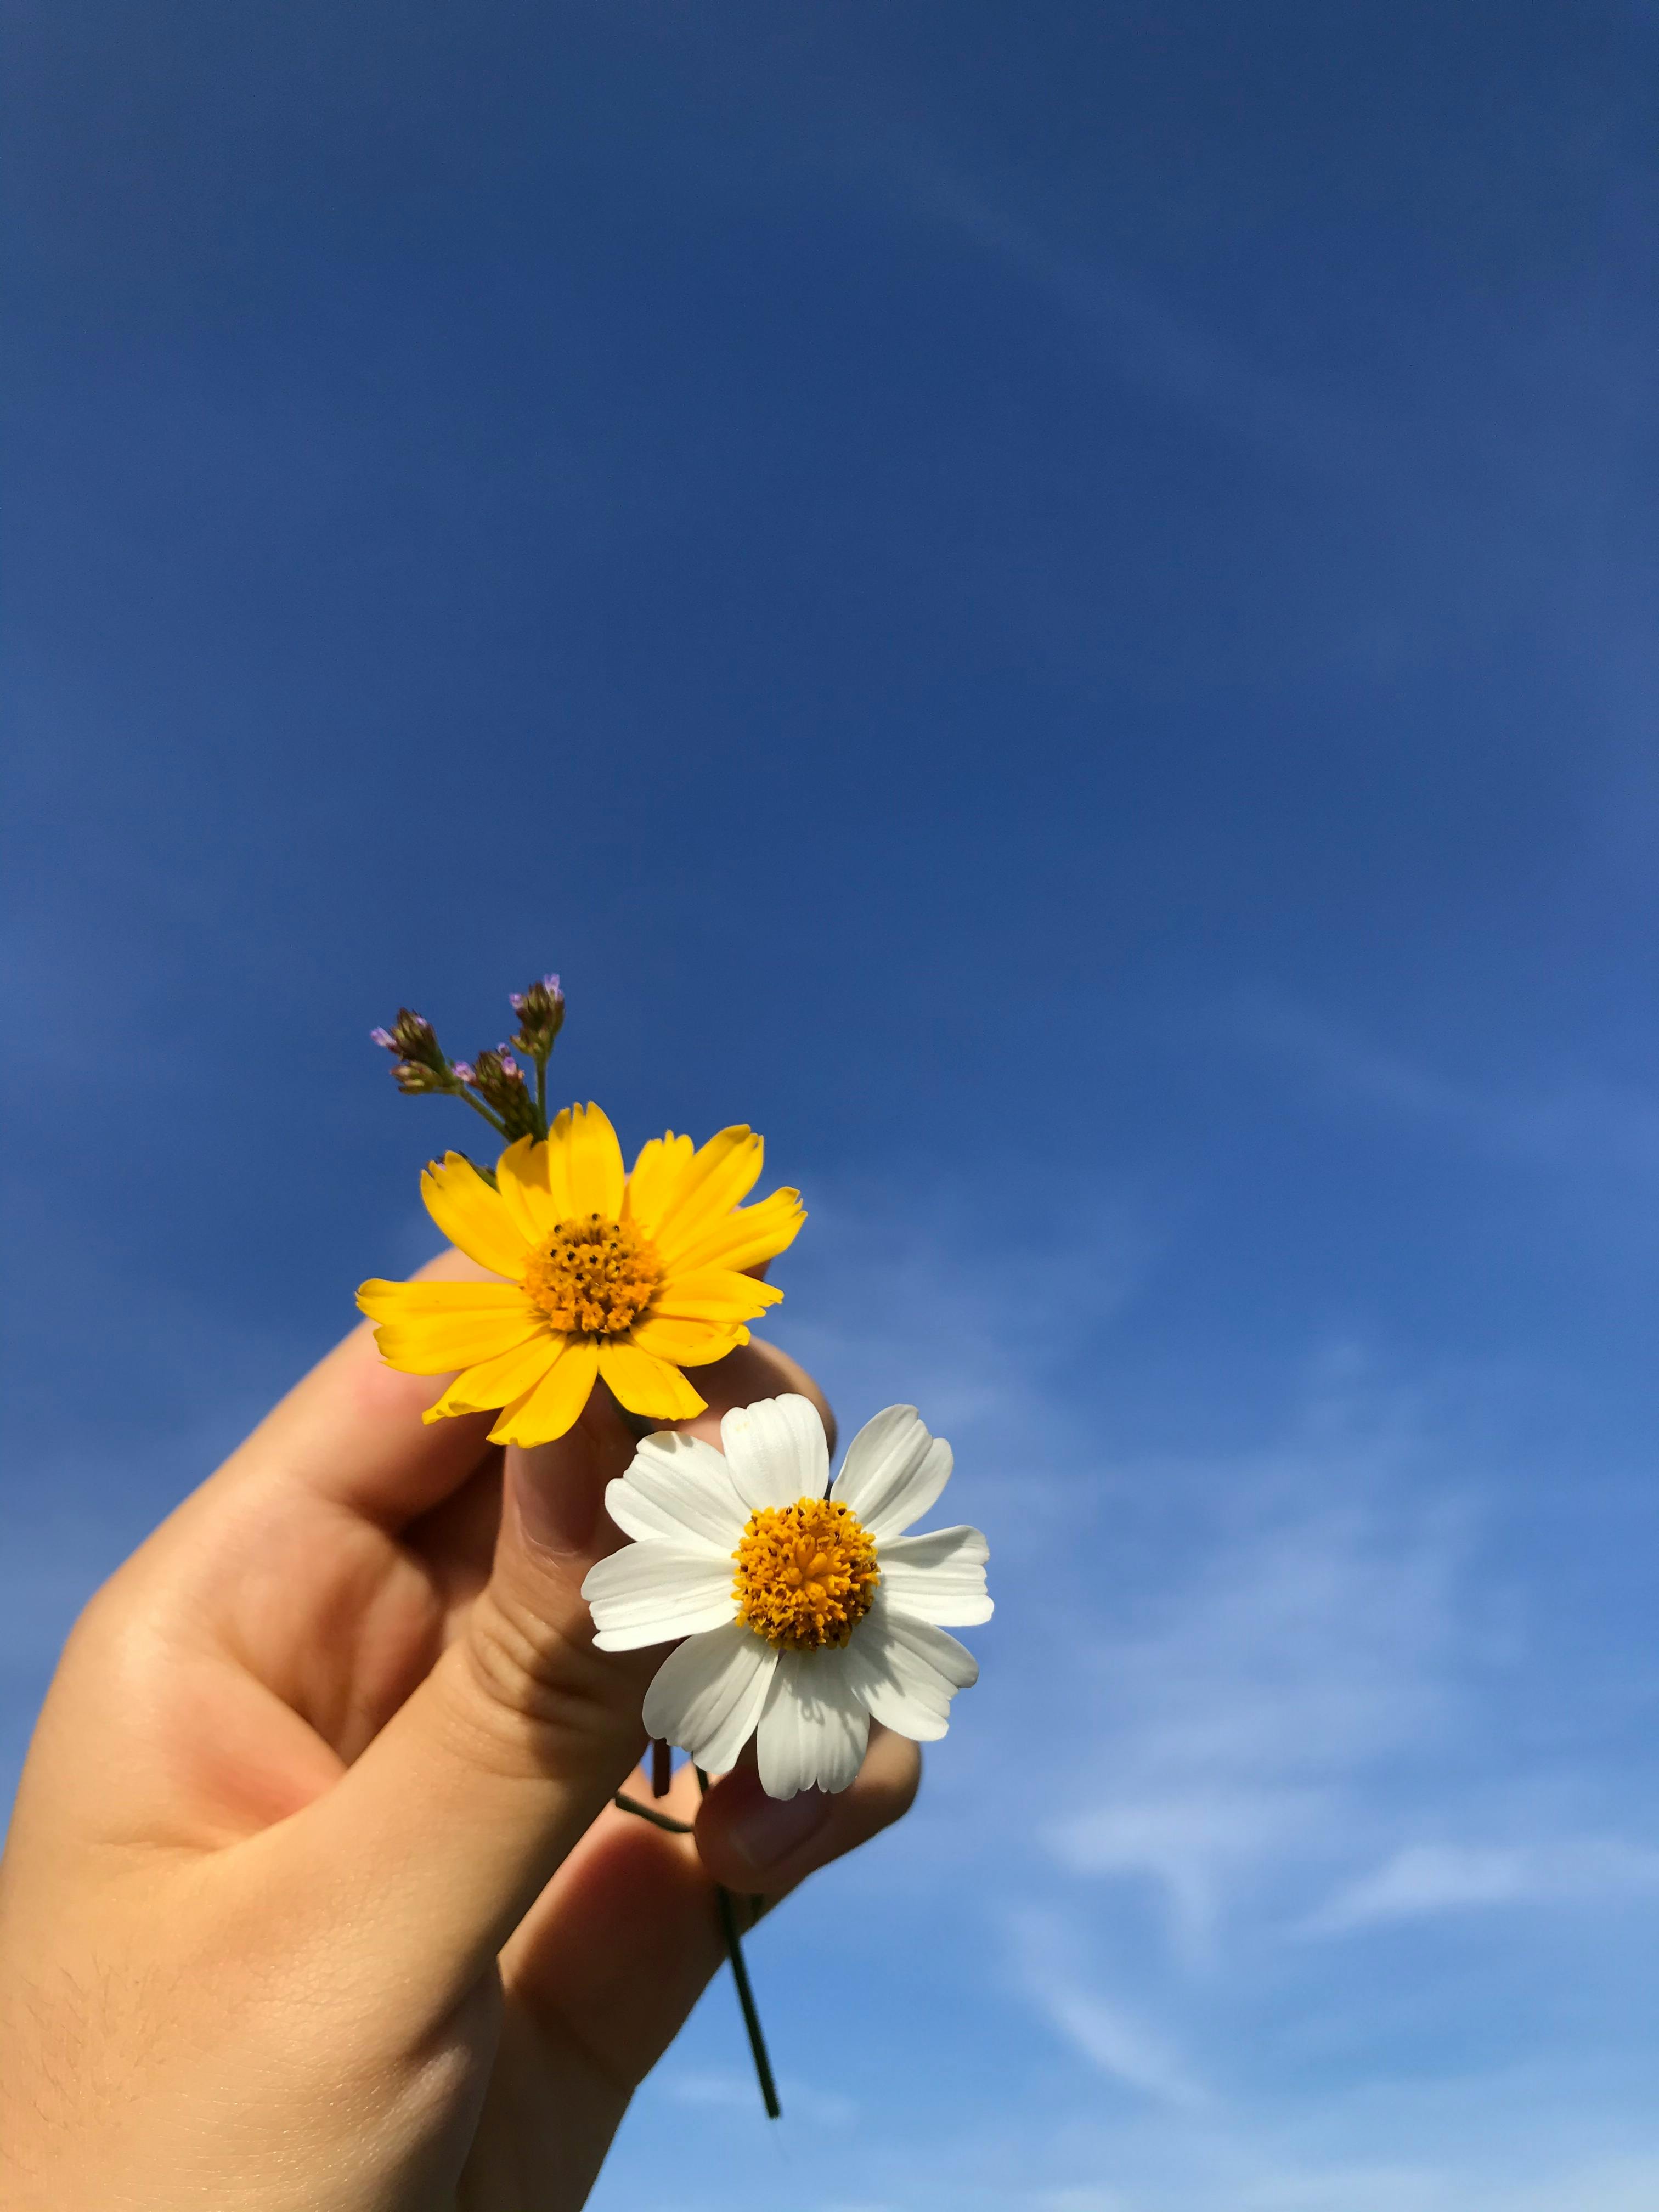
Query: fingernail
x=772, y=1827
x=557, y=1503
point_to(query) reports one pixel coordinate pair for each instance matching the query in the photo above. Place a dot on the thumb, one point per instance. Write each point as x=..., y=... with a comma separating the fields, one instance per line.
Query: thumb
x=428, y=1851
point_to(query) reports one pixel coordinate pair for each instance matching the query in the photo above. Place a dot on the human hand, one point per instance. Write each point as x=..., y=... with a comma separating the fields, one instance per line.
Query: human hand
x=314, y=1898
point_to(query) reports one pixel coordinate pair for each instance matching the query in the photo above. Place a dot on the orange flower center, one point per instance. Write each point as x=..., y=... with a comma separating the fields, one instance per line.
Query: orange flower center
x=806, y=1575
x=594, y=1278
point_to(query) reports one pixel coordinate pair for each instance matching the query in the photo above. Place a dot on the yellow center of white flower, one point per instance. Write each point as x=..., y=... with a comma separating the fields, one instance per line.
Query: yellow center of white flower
x=806, y=1575
x=594, y=1278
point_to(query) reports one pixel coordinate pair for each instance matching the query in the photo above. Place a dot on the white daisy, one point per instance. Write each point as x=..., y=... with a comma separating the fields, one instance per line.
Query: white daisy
x=806, y=1610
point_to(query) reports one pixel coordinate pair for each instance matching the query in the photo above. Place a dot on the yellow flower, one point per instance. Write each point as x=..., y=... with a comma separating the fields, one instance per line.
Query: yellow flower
x=627, y=1278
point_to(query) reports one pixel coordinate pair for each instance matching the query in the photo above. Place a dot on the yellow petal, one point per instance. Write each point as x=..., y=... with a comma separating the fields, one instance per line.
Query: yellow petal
x=715, y=1294
x=550, y=1407
x=717, y=1175
x=385, y=1301
x=744, y=1239
x=657, y=1175
x=496, y=1382
x=432, y=1343
x=687, y=1342
x=646, y=1384
x=472, y=1215
x=521, y=1174
x=583, y=1143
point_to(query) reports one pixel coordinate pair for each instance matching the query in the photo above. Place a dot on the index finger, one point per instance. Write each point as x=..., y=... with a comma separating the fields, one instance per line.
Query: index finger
x=350, y=1432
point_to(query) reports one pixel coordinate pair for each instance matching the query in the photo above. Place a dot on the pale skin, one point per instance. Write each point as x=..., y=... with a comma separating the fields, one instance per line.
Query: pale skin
x=314, y=1899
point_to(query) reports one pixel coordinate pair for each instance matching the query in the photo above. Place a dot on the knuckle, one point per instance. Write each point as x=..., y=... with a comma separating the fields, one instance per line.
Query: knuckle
x=559, y=1697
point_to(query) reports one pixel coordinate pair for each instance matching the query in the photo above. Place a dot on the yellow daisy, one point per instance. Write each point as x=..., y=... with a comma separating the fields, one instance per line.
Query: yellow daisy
x=628, y=1277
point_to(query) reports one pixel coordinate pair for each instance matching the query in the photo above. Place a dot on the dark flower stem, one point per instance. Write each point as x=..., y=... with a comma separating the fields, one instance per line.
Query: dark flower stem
x=663, y=1821
x=726, y=1905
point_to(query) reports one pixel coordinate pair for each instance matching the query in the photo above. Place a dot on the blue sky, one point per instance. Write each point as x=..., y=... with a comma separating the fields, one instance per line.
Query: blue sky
x=1055, y=607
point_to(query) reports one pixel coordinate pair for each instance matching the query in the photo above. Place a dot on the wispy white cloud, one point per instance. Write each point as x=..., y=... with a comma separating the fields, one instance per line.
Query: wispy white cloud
x=1426, y=1879
x=1190, y=1845
x=1141, y=339
x=908, y=1297
x=1309, y=1631
x=1087, y=2198
x=1106, y=2033
x=1567, y=1123
x=1614, y=2184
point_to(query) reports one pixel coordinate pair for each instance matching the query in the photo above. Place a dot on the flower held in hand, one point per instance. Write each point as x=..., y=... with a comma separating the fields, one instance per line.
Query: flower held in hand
x=627, y=1278
x=806, y=1611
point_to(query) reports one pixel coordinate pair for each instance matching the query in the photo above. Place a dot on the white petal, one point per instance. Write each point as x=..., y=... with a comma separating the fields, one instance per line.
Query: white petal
x=706, y=1696
x=907, y=1672
x=651, y=1593
x=815, y=1727
x=939, y=1577
x=681, y=1487
x=776, y=1450
x=893, y=1471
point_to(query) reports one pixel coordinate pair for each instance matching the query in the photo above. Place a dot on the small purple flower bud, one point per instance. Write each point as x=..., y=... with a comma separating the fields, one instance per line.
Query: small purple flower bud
x=412, y=1077
x=540, y=1011
x=496, y=1079
x=411, y=1037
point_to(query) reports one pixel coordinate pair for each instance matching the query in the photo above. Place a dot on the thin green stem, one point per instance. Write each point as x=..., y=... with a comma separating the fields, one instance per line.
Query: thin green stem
x=726, y=1905
x=478, y=1107
x=541, y=1093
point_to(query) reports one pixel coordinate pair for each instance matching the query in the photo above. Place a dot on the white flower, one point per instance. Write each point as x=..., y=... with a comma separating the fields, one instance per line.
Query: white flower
x=806, y=1610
